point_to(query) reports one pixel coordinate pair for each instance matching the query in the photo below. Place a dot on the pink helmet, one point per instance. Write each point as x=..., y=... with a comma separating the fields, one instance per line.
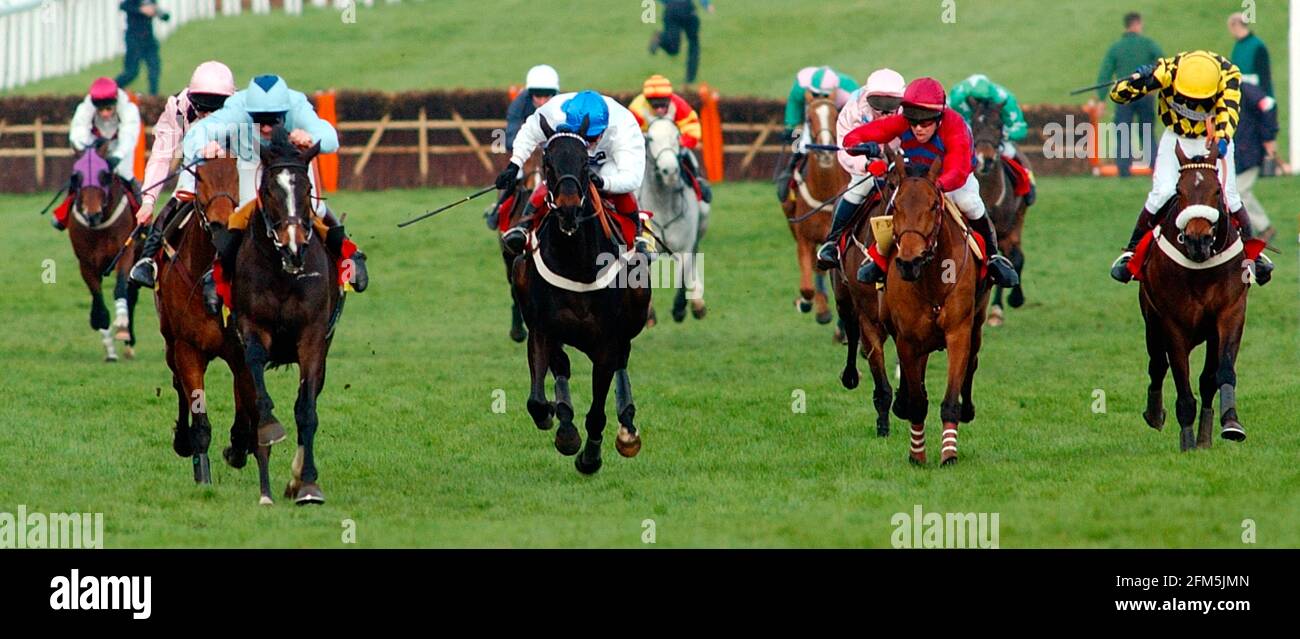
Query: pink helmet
x=103, y=90
x=212, y=77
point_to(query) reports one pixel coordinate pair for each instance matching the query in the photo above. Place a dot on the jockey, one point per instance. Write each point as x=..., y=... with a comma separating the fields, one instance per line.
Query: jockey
x=210, y=85
x=820, y=82
x=657, y=100
x=106, y=113
x=1014, y=128
x=266, y=103
x=882, y=97
x=1195, y=88
x=616, y=148
x=540, y=85
x=928, y=130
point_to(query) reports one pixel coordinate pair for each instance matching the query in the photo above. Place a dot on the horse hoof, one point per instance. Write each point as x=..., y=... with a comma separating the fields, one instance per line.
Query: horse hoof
x=234, y=458
x=181, y=442
x=265, y=500
x=995, y=316
x=916, y=460
x=122, y=335
x=882, y=430
x=1186, y=440
x=850, y=378
x=567, y=440
x=110, y=358
x=1017, y=298
x=679, y=315
x=802, y=305
x=309, y=494
x=518, y=335
x=128, y=352
x=949, y=459
x=698, y=312
x=1233, y=432
x=585, y=467
x=1157, y=423
x=967, y=413
x=270, y=433
x=627, y=442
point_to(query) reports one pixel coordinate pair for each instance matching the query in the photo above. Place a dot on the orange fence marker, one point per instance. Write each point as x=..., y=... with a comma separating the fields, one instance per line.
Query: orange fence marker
x=140, y=148
x=328, y=163
x=711, y=123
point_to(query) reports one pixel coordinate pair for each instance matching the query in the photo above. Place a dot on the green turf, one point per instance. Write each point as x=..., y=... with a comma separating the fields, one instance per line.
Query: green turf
x=410, y=449
x=1041, y=50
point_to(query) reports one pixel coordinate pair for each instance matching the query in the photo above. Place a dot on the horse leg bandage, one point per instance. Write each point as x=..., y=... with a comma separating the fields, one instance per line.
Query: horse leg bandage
x=622, y=392
x=563, y=400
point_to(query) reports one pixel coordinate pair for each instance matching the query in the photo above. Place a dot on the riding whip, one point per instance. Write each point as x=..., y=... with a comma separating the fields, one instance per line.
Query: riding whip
x=484, y=191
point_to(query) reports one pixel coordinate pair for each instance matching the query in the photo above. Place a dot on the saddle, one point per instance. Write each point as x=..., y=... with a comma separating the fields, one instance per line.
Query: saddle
x=974, y=241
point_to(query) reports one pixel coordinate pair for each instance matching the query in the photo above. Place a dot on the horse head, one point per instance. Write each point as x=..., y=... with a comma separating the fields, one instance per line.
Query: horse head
x=821, y=115
x=986, y=130
x=216, y=185
x=285, y=198
x=90, y=182
x=564, y=167
x=1200, y=198
x=916, y=204
x=663, y=146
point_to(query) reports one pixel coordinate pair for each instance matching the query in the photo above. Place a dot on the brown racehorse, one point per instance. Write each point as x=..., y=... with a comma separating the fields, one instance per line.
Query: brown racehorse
x=523, y=190
x=100, y=220
x=860, y=313
x=933, y=300
x=809, y=208
x=1005, y=208
x=194, y=338
x=1195, y=297
x=286, y=299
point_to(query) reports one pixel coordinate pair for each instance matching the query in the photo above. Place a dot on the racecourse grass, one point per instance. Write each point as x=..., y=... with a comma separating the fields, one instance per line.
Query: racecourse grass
x=410, y=449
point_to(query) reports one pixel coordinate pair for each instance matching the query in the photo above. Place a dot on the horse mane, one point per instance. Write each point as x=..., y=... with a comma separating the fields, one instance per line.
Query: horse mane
x=280, y=147
x=917, y=170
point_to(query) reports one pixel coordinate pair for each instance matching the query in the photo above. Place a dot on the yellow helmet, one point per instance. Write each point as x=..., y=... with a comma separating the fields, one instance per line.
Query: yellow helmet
x=657, y=86
x=1197, y=76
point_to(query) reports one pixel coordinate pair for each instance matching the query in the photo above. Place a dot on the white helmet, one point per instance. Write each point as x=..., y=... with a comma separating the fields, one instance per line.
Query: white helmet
x=886, y=82
x=542, y=77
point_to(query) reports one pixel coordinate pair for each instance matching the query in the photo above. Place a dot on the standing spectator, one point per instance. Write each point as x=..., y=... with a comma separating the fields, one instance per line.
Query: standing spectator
x=1131, y=51
x=679, y=16
x=1256, y=139
x=1250, y=55
x=141, y=45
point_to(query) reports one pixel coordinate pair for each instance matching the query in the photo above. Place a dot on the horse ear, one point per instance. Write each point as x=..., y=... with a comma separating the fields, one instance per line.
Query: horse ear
x=105, y=178
x=586, y=123
x=74, y=182
x=897, y=160
x=1178, y=153
x=546, y=126
x=311, y=153
x=268, y=156
x=936, y=170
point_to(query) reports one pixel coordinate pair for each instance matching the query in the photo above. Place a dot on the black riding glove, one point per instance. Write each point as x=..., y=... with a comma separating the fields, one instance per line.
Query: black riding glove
x=508, y=178
x=596, y=180
x=113, y=162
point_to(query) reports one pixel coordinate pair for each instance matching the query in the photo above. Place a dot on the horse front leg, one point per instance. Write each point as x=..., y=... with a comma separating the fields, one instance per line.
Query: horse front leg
x=950, y=410
x=1157, y=367
x=538, y=364
x=98, y=312
x=122, y=308
x=191, y=365
x=1208, y=387
x=269, y=429
x=913, y=398
x=1231, y=325
x=303, y=488
x=602, y=372
x=628, y=441
x=1185, y=405
x=804, y=252
x=567, y=440
x=243, y=432
x=881, y=395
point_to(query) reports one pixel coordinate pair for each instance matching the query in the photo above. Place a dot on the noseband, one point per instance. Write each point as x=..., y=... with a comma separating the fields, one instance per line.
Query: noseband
x=1214, y=175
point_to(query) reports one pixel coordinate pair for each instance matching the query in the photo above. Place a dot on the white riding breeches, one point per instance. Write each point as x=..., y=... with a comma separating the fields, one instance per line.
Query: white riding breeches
x=1164, y=176
x=861, y=187
x=967, y=198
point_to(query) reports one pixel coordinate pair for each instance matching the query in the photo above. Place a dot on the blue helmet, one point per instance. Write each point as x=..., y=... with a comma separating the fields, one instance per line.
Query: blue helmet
x=586, y=105
x=267, y=94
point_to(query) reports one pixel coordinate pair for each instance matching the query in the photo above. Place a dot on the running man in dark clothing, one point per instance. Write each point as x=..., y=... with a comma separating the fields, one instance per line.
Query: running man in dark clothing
x=141, y=45
x=679, y=16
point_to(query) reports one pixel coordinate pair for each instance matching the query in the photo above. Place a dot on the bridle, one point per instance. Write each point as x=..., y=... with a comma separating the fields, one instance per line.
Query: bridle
x=1222, y=205
x=932, y=237
x=309, y=229
x=577, y=180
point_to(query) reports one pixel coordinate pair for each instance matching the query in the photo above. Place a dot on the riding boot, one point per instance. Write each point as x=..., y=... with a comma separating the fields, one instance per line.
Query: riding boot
x=514, y=239
x=226, y=242
x=334, y=239
x=1263, y=265
x=1119, y=269
x=783, y=178
x=145, y=271
x=691, y=167
x=828, y=256
x=1001, y=270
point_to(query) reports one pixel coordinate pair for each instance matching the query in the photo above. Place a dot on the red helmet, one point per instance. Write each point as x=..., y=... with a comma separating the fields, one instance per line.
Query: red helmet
x=103, y=90
x=924, y=99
